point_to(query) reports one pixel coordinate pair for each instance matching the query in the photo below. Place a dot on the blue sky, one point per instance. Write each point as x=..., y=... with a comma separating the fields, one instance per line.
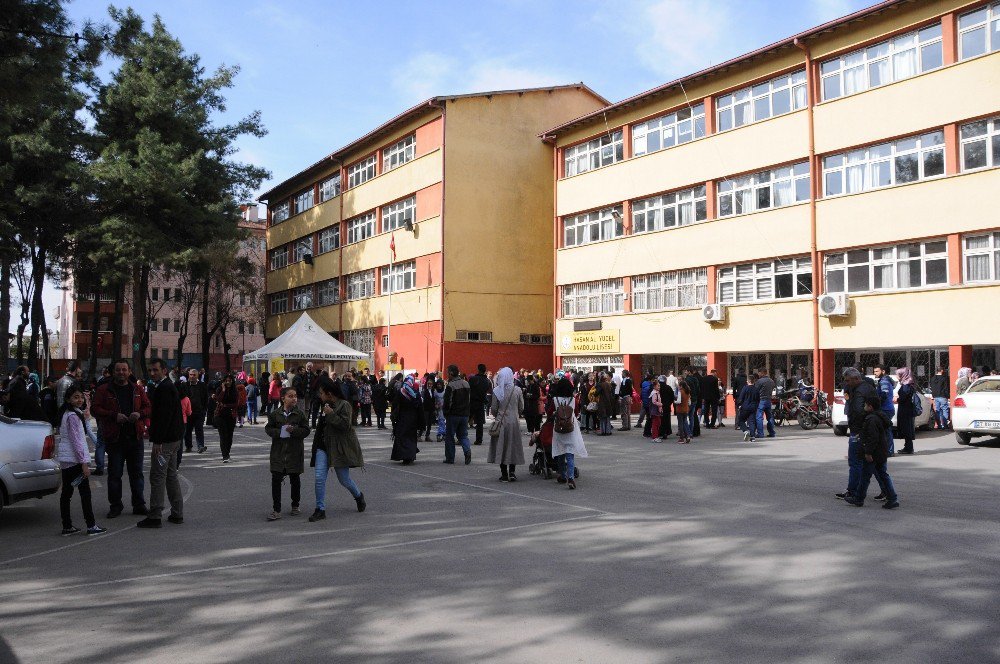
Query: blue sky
x=325, y=72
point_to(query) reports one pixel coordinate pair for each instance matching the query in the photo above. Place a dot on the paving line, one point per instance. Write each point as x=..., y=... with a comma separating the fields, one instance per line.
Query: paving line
x=93, y=538
x=312, y=556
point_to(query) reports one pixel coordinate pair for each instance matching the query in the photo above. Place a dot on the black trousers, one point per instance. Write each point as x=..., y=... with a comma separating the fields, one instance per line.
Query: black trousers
x=225, y=425
x=380, y=416
x=276, y=481
x=68, y=476
x=366, y=414
x=506, y=470
x=196, y=426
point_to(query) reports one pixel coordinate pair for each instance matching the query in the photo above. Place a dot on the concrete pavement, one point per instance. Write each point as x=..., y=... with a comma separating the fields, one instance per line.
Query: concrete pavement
x=717, y=551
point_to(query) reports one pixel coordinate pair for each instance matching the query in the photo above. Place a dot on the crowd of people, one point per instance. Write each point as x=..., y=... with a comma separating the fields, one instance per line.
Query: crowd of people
x=173, y=406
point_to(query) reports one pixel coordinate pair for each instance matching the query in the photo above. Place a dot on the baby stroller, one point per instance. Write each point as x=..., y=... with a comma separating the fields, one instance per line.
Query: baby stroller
x=543, y=463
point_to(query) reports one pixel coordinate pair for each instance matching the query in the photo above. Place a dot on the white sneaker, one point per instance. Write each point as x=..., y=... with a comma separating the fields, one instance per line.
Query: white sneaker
x=657, y=440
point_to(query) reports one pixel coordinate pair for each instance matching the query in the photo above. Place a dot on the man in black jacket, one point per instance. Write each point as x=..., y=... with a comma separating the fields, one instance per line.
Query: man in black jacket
x=857, y=390
x=710, y=399
x=479, y=390
x=941, y=391
x=625, y=400
x=198, y=394
x=693, y=381
x=874, y=452
x=457, y=397
x=166, y=428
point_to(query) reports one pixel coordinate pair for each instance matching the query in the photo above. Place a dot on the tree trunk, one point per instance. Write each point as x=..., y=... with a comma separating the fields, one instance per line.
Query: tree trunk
x=138, y=316
x=143, y=315
x=5, y=276
x=95, y=330
x=116, y=324
x=225, y=349
x=206, y=337
x=37, y=308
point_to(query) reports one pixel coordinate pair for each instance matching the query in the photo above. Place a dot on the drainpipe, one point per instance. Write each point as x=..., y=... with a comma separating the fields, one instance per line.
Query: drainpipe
x=340, y=251
x=814, y=180
x=444, y=160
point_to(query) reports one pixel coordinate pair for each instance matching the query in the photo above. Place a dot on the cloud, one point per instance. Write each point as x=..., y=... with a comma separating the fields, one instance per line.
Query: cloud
x=679, y=36
x=429, y=73
x=828, y=10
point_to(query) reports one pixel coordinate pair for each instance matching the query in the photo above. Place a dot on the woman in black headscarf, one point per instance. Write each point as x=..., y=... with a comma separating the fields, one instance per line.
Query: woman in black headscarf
x=407, y=420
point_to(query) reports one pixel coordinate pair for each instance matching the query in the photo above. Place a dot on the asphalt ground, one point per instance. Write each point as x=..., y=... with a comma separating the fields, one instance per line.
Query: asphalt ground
x=718, y=551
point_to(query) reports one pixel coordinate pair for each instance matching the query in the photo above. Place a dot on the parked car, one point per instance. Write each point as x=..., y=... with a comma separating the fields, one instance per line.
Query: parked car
x=977, y=412
x=922, y=421
x=27, y=467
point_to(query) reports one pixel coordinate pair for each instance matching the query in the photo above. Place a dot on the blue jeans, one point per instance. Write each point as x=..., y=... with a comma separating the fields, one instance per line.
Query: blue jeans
x=764, y=407
x=456, y=425
x=942, y=411
x=566, y=466
x=746, y=420
x=855, y=464
x=442, y=424
x=121, y=457
x=251, y=410
x=99, y=452
x=881, y=475
x=606, y=424
x=343, y=476
x=892, y=442
x=684, y=425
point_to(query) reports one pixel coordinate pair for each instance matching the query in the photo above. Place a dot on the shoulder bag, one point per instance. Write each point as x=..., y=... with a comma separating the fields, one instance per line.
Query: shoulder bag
x=497, y=425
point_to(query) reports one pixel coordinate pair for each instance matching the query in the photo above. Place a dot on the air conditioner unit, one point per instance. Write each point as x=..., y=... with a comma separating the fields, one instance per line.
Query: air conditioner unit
x=838, y=304
x=713, y=313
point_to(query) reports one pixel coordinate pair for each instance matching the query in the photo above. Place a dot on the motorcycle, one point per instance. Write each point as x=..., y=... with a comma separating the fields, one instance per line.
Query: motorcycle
x=811, y=414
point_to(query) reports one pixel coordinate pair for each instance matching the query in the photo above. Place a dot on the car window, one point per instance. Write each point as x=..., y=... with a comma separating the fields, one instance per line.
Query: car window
x=985, y=386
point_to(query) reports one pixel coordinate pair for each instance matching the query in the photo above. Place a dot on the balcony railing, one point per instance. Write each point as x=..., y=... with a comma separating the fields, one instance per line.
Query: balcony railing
x=89, y=297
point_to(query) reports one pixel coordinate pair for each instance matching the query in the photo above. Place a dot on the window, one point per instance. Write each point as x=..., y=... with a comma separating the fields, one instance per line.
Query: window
x=361, y=172
x=302, y=298
x=361, y=228
x=177, y=325
x=981, y=144
x=893, y=60
x=329, y=239
x=670, y=290
x=395, y=215
x=304, y=200
x=982, y=257
x=280, y=213
x=279, y=303
x=166, y=325
x=154, y=324
x=328, y=292
x=884, y=165
x=669, y=210
x=911, y=265
x=593, y=227
x=780, y=279
x=470, y=335
x=400, y=153
x=668, y=130
x=765, y=190
x=385, y=341
x=279, y=257
x=362, y=340
x=778, y=96
x=403, y=276
x=329, y=188
x=979, y=31
x=240, y=328
x=154, y=294
x=536, y=339
x=243, y=299
x=302, y=246
x=252, y=328
x=360, y=285
x=593, y=298
x=603, y=151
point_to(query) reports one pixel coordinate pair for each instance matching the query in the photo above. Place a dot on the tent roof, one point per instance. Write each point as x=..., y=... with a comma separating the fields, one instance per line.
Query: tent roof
x=305, y=340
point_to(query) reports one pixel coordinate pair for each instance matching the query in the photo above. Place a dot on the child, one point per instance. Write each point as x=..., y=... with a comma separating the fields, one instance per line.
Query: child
x=442, y=424
x=681, y=407
x=875, y=447
x=746, y=415
x=288, y=427
x=74, y=459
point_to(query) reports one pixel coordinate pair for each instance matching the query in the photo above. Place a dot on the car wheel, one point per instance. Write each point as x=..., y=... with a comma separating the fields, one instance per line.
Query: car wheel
x=963, y=438
x=925, y=427
x=840, y=431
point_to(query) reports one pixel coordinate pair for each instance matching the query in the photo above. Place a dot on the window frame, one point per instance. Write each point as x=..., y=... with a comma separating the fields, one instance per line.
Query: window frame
x=752, y=186
x=990, y=137
x=726, y=104
x=362, y=171
x=669, y=123
x=301, y=247
x=585, y=222
x=304, y=200
x=335, y=232
x=401, y=273
x=359, y=339
x=361, y=227
x=601, y=292
x=758, y=273
x=279, y=303
x=281, y=212
x=877, y=263
x=876, y=155
x=360, y=285
x=323, y=288
x=302, y=298
x=394, y=215
x=991, y=20
x=992, y=252
x=693, y=282
x=694, y=198
x=282, y=251
x=595, y=149
x=407, y=147
x=324, y=190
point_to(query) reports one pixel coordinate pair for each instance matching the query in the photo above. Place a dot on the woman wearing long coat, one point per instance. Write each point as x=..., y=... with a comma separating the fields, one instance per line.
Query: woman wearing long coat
x=605, y=403
x=905, y=413
x=567, y=447
x=336, y=446
x=507, y=403
x=407, y=420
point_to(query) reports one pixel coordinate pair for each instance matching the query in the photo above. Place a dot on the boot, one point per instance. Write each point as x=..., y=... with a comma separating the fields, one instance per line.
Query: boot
x=317, y=516
x=360, y=500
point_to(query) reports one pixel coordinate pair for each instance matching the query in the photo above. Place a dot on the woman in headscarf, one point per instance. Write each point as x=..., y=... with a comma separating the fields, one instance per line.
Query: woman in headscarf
x=606, y=402
x=226, y=412
x=407, y=419
x=566, y=447
x=963, y=381
x=506, y=405
x=905, y=413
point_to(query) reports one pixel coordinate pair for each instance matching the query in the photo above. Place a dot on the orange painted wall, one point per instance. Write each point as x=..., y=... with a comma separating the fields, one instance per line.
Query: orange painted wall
x=429, y=270
x=430, y=136
x=429, y=202
x=496, y=356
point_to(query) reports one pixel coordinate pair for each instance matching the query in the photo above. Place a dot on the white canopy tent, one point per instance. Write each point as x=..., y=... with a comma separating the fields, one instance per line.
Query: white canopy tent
x=304, y=340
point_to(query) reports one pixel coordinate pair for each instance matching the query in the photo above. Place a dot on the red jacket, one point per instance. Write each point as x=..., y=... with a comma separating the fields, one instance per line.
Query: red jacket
x=106, y=408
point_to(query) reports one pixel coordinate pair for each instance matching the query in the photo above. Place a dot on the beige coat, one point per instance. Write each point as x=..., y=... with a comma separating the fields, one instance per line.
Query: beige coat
x=508, y=447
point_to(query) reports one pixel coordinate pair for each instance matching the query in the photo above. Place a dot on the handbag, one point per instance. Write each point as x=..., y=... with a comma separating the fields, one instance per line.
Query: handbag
x=592, y=407
x=496, y=426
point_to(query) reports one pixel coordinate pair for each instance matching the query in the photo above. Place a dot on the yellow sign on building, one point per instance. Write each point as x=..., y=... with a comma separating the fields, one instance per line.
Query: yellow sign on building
x=277, y=365
x=582, y=343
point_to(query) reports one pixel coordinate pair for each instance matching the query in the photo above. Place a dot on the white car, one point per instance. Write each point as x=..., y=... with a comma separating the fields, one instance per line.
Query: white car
x=27, y=469
x=839, y=416
x=977, y=412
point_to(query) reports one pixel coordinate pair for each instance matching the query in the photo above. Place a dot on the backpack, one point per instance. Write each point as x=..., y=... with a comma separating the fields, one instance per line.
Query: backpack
x=918, y=405
x=564, y=418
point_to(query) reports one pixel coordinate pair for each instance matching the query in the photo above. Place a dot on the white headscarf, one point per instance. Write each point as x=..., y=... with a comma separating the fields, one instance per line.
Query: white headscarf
x=505, y=380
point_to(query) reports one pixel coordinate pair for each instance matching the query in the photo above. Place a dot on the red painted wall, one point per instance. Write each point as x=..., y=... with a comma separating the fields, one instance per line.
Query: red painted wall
x=429, y=202
x=496, y=356
x=418, y=345
x=430, y=136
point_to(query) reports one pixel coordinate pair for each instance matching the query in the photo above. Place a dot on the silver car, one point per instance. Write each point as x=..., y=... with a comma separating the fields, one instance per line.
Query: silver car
x=27, y=467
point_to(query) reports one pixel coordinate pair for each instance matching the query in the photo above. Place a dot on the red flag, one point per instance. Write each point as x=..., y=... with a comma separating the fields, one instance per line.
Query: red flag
x=392, y=247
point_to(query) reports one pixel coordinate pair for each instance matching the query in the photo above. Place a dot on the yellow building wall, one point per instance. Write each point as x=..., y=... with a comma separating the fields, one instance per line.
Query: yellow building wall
x=414, y=306
x=375, y=251
x=963, y=90
x=410, y=177
x=498, y=233
x=772, y=326
x=314, y=219
x=325, y=266
x=929, y=318
x=391, y=137
x=744, y=238
x=752, y=147
x=933, y=208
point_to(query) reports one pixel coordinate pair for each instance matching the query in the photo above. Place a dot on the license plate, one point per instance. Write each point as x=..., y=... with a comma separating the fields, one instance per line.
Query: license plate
x=986, y=424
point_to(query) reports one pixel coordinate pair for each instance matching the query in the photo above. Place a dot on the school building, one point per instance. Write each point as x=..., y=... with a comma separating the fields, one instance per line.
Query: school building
x=426, y=242
x=822, y=202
